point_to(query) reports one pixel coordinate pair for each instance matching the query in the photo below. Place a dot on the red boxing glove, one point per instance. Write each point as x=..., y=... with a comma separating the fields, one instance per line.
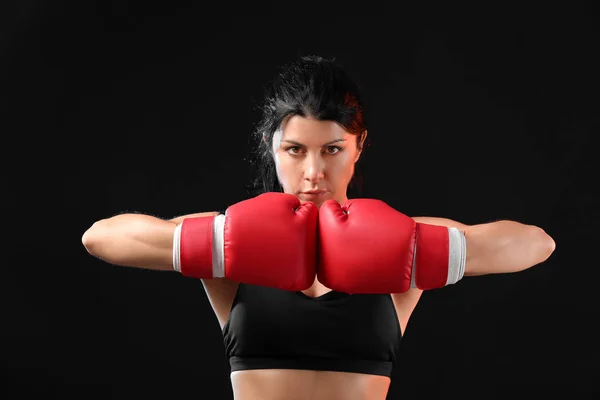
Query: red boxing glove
x=269, y=240
x=366, y=246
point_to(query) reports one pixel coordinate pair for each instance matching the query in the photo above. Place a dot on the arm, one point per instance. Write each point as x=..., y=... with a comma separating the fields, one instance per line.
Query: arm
x=505, y=246
x=180, y=219
x=366, y=246
x=134, y=240
x=501, y=246
x=441, y=222
x=496, y=247
x=406, y=302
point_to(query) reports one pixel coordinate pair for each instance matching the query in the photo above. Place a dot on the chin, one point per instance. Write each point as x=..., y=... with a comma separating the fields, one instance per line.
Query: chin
x=318, y=202
x=303, y=201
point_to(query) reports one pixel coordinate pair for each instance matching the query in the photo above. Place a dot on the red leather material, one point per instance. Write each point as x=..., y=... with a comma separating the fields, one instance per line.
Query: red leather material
x=270, y=240
x=431, y=270
x=195, y=247
x=365, y=246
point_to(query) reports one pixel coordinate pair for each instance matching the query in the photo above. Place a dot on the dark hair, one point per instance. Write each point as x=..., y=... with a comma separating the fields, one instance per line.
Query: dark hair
x=309, y=87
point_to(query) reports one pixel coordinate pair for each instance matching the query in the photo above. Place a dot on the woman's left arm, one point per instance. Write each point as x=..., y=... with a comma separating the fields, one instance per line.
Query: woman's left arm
x=501, y=246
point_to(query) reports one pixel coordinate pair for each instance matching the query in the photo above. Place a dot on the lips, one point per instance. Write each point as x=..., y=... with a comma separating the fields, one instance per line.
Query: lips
x=315, y=192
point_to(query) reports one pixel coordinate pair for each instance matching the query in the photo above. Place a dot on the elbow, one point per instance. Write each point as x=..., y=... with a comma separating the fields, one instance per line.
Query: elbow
x=545, y=245
x=548, y=244
x=91, y=238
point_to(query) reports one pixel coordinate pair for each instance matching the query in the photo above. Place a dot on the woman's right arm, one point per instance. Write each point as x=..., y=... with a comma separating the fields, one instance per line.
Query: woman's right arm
x=134, y=240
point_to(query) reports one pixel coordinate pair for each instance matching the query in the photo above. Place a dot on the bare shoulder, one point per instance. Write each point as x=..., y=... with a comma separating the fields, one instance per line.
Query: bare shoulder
x=221, y=293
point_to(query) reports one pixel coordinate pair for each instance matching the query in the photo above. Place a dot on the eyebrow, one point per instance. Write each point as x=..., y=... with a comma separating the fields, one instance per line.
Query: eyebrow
x=326, y=144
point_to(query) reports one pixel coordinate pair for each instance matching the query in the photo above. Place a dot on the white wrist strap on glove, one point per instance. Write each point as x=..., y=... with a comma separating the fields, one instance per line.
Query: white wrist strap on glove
x=457, y=257
x=218, y=247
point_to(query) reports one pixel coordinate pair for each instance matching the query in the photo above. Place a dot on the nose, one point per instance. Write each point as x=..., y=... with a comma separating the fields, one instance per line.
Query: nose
x=314, y=168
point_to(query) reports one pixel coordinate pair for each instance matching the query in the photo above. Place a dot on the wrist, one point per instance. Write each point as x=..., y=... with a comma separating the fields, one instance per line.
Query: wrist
x=439, y=256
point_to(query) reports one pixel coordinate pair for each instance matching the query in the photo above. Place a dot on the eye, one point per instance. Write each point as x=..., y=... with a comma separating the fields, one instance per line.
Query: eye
x=331, y=150
x=293, y=150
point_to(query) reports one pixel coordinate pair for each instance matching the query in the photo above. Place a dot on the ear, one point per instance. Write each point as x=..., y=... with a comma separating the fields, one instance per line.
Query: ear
x=361, y=144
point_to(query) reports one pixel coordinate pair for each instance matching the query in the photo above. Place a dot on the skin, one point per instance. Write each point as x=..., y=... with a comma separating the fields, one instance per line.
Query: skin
x=311, y=154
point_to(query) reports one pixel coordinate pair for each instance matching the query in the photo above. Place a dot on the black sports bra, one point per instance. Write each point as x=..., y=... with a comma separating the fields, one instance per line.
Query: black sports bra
x=276, y=329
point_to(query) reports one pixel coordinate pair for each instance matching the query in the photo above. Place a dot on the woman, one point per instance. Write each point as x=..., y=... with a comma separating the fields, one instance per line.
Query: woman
x=313, y=343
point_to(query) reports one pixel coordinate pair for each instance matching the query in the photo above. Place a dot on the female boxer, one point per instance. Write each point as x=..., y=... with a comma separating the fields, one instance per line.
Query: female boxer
x=287, y=334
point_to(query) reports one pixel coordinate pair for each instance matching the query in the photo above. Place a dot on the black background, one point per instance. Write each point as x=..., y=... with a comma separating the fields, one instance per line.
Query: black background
x=116, y=106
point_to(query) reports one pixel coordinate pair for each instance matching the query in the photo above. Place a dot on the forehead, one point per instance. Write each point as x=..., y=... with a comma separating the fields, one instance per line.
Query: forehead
x=303, y=129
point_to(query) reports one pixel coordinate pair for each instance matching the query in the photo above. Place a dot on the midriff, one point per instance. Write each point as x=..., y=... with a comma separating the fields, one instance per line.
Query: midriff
x=275, y=384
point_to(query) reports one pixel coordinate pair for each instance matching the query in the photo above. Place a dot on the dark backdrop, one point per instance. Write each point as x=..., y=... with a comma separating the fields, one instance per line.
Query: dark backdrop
x=476, y=115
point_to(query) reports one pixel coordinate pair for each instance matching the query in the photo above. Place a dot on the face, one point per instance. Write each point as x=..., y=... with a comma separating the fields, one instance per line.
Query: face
x=314, y=159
